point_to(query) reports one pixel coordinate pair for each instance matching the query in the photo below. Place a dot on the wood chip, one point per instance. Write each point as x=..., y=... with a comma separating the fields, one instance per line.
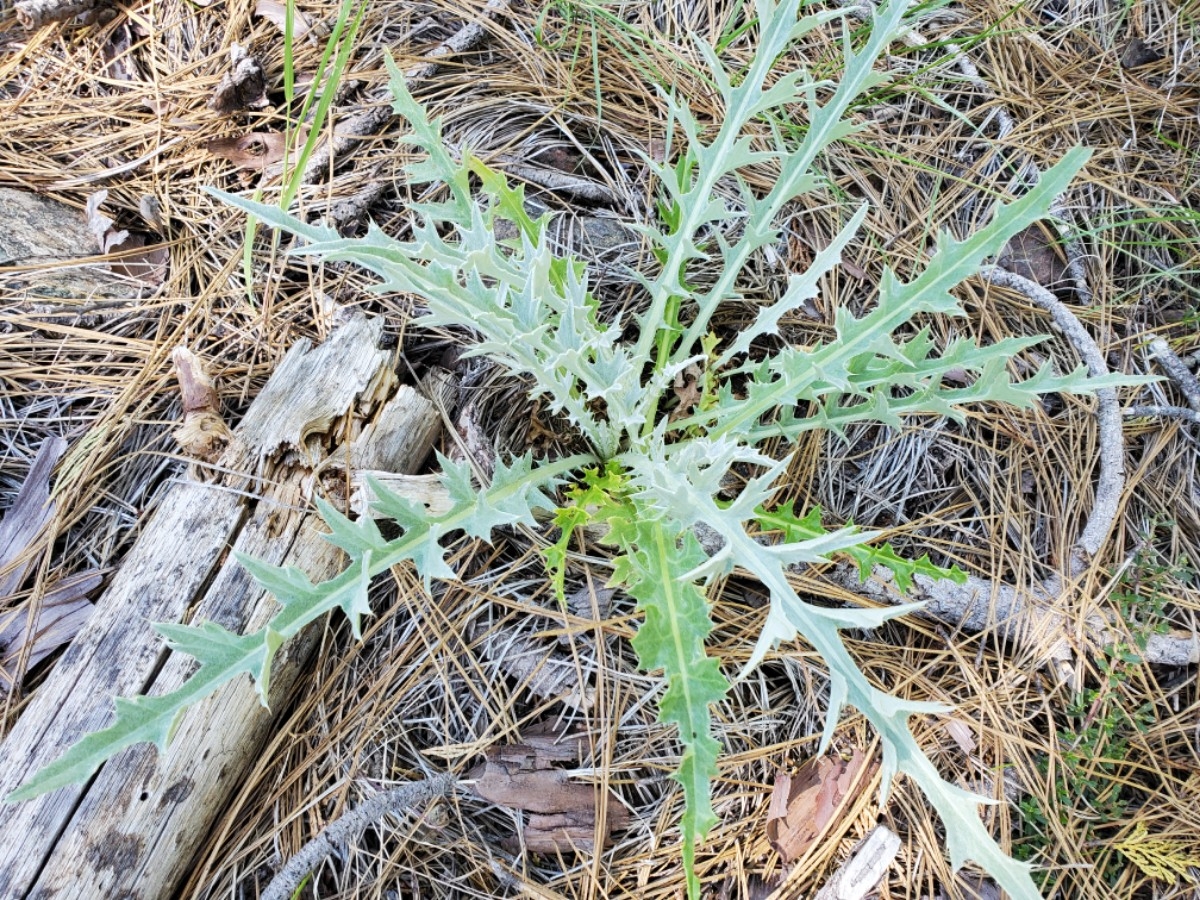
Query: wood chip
x=804, y=805
x=528, y=777
x=27, y=516
x=865, y=868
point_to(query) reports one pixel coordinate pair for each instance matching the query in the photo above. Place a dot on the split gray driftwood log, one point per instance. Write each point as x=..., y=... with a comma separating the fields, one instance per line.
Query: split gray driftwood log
x=132, y=831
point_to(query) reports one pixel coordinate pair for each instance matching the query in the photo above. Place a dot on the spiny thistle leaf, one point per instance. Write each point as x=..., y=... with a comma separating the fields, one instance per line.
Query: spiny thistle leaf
x=437, y=166
x=598, y=496
x=966, y=836
x=794, y=376
x=656, y=555
x=807, y=527
x=355, y=538
x=517, y=489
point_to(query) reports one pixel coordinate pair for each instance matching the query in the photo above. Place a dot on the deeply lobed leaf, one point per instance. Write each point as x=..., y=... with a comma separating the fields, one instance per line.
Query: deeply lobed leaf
x=656, y=559
x=516, y=491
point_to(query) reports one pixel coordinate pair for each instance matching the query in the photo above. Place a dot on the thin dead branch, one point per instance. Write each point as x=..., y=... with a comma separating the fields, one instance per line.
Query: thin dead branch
x=335, y=836
x=1110, y=481
x=1180, y=374
x=1164, y=412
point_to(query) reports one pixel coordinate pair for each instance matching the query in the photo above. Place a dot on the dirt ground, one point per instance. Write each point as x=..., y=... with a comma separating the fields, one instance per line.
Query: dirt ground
x=118, y=113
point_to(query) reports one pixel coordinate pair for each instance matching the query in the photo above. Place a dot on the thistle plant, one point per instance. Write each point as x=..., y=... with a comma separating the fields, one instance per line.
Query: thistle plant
x=655, y=481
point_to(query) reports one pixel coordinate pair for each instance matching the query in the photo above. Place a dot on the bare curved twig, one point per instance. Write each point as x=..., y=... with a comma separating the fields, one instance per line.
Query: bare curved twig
x=1034, y=615
x=1111, y=481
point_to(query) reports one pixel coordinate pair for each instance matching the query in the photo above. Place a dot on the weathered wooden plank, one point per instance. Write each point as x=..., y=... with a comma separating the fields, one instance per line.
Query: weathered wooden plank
x=115, y=653
x=133, y=830
x=144, y=808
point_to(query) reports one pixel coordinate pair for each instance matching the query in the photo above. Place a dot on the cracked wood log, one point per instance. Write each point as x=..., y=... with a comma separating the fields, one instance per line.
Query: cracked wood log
x=132, y=831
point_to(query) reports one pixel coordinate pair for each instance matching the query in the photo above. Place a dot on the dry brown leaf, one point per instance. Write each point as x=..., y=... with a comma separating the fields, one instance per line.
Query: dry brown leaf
x=803, y=805
x=853, y=269
x=687, y=389
x=1031, y=254
x=150, y=210
x=158, y=106
x=1138, y=53
x=276, y=13
x=115, y=52
x=137, y=261
x=249, y=151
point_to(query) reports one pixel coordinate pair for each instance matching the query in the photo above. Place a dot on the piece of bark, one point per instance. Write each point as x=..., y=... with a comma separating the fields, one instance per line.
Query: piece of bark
x=1179, y=372
x=309, y=390
x=36, y=13
x=352, y=214
x=426, y=490
x=555, y=179
x=803, y=806
x=473, y=444
x=528, y=777
x=132, y=831
x=868, y=863
x=64, y=608
x=244, y=86
x=1164, y=412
